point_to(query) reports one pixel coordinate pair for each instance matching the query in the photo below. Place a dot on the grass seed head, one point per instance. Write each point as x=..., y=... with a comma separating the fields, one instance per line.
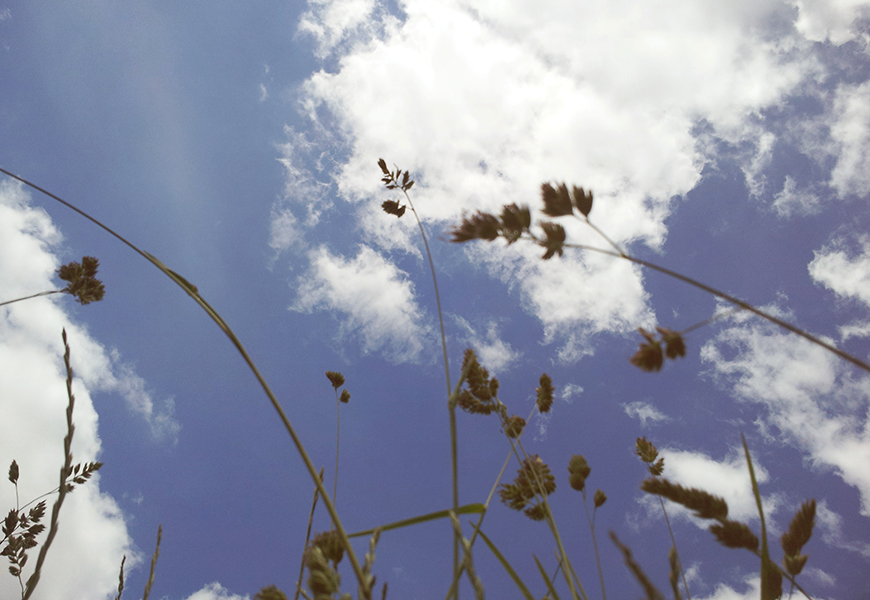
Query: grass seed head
x=704, y=504
x=579, y=470
x=733, y=534
x=649, y=356
x=514, y=426
x=545, y=393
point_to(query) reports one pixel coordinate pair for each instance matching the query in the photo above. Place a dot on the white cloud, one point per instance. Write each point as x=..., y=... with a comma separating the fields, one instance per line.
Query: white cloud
x=34, y=402
x=284, y=230
x=301, y=187
x=809, y=395
x=850, y=130
x=645, y=412
x=832, y=20
x=791, y=200
x=484, y=101
x=752, y=590
x=570, y=392
x=574, y=297
x=215, y=591
x=493, y=353
x=845, y=275
x=860, y=330
x=830, y=526
x=332, y=21
x=375, y=298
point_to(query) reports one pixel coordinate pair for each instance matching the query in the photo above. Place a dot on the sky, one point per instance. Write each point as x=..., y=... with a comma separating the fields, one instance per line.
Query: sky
x=239, y=143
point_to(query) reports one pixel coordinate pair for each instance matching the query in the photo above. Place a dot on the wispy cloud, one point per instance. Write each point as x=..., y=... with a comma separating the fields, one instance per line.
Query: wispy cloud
x=830, y=526
x=645, y=412
x=793, y=200
x=493, y=353
x=375, y=300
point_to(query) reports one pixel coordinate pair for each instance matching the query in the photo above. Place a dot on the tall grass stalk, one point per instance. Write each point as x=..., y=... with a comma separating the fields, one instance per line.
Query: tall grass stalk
x=674, y=547
x=150, y=581
x=477, y=526
x=591, y=521
x=213, y=314
x=392, y=181
x=65, y=472
x=541, y=497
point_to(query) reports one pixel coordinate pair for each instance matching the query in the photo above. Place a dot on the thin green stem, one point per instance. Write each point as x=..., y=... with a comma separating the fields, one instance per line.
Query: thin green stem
x=307, y=537
x=713, y=319
x=193, y=293
x=765, y=557
x=674, y=544
x=34, y=295
x=511, y=452
x=591, y=521
x=337, y=438
x=607, y=239
x=451, y=405
x=540, y=492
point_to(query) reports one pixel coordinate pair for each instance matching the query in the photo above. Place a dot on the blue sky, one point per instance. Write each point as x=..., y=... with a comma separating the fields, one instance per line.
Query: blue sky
x=238, y=143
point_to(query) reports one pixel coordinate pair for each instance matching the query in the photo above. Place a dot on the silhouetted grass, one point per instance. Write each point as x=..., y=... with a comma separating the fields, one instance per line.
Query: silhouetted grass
x=475, y=393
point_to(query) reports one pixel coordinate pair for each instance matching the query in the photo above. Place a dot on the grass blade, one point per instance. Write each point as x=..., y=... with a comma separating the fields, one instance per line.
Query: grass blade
x=441, y=514
x=771, y=578
x=545, y=577
x=507, y=567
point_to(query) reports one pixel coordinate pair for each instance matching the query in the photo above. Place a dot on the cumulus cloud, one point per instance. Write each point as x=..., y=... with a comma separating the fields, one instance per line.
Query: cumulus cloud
x=821, y=21
x=808, y=394
x=34, y=402
x=483, y=102
x=727, y=478
x=644, y=411
x=375, y=299
x=215, y=591
x=574, y=297
x=843, y=272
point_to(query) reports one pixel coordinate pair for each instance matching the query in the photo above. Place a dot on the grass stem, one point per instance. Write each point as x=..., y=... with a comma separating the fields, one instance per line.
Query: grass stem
x=32, y=296
x=213, y=314
x=451, y=405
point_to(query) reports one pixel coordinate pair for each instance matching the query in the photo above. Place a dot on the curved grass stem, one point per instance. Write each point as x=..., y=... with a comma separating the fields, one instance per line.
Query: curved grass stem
x=451, y=405
x=727, y=297
x=194, y=293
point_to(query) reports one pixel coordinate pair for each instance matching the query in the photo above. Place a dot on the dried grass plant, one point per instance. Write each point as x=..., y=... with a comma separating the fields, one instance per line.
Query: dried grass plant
x=476, y=393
